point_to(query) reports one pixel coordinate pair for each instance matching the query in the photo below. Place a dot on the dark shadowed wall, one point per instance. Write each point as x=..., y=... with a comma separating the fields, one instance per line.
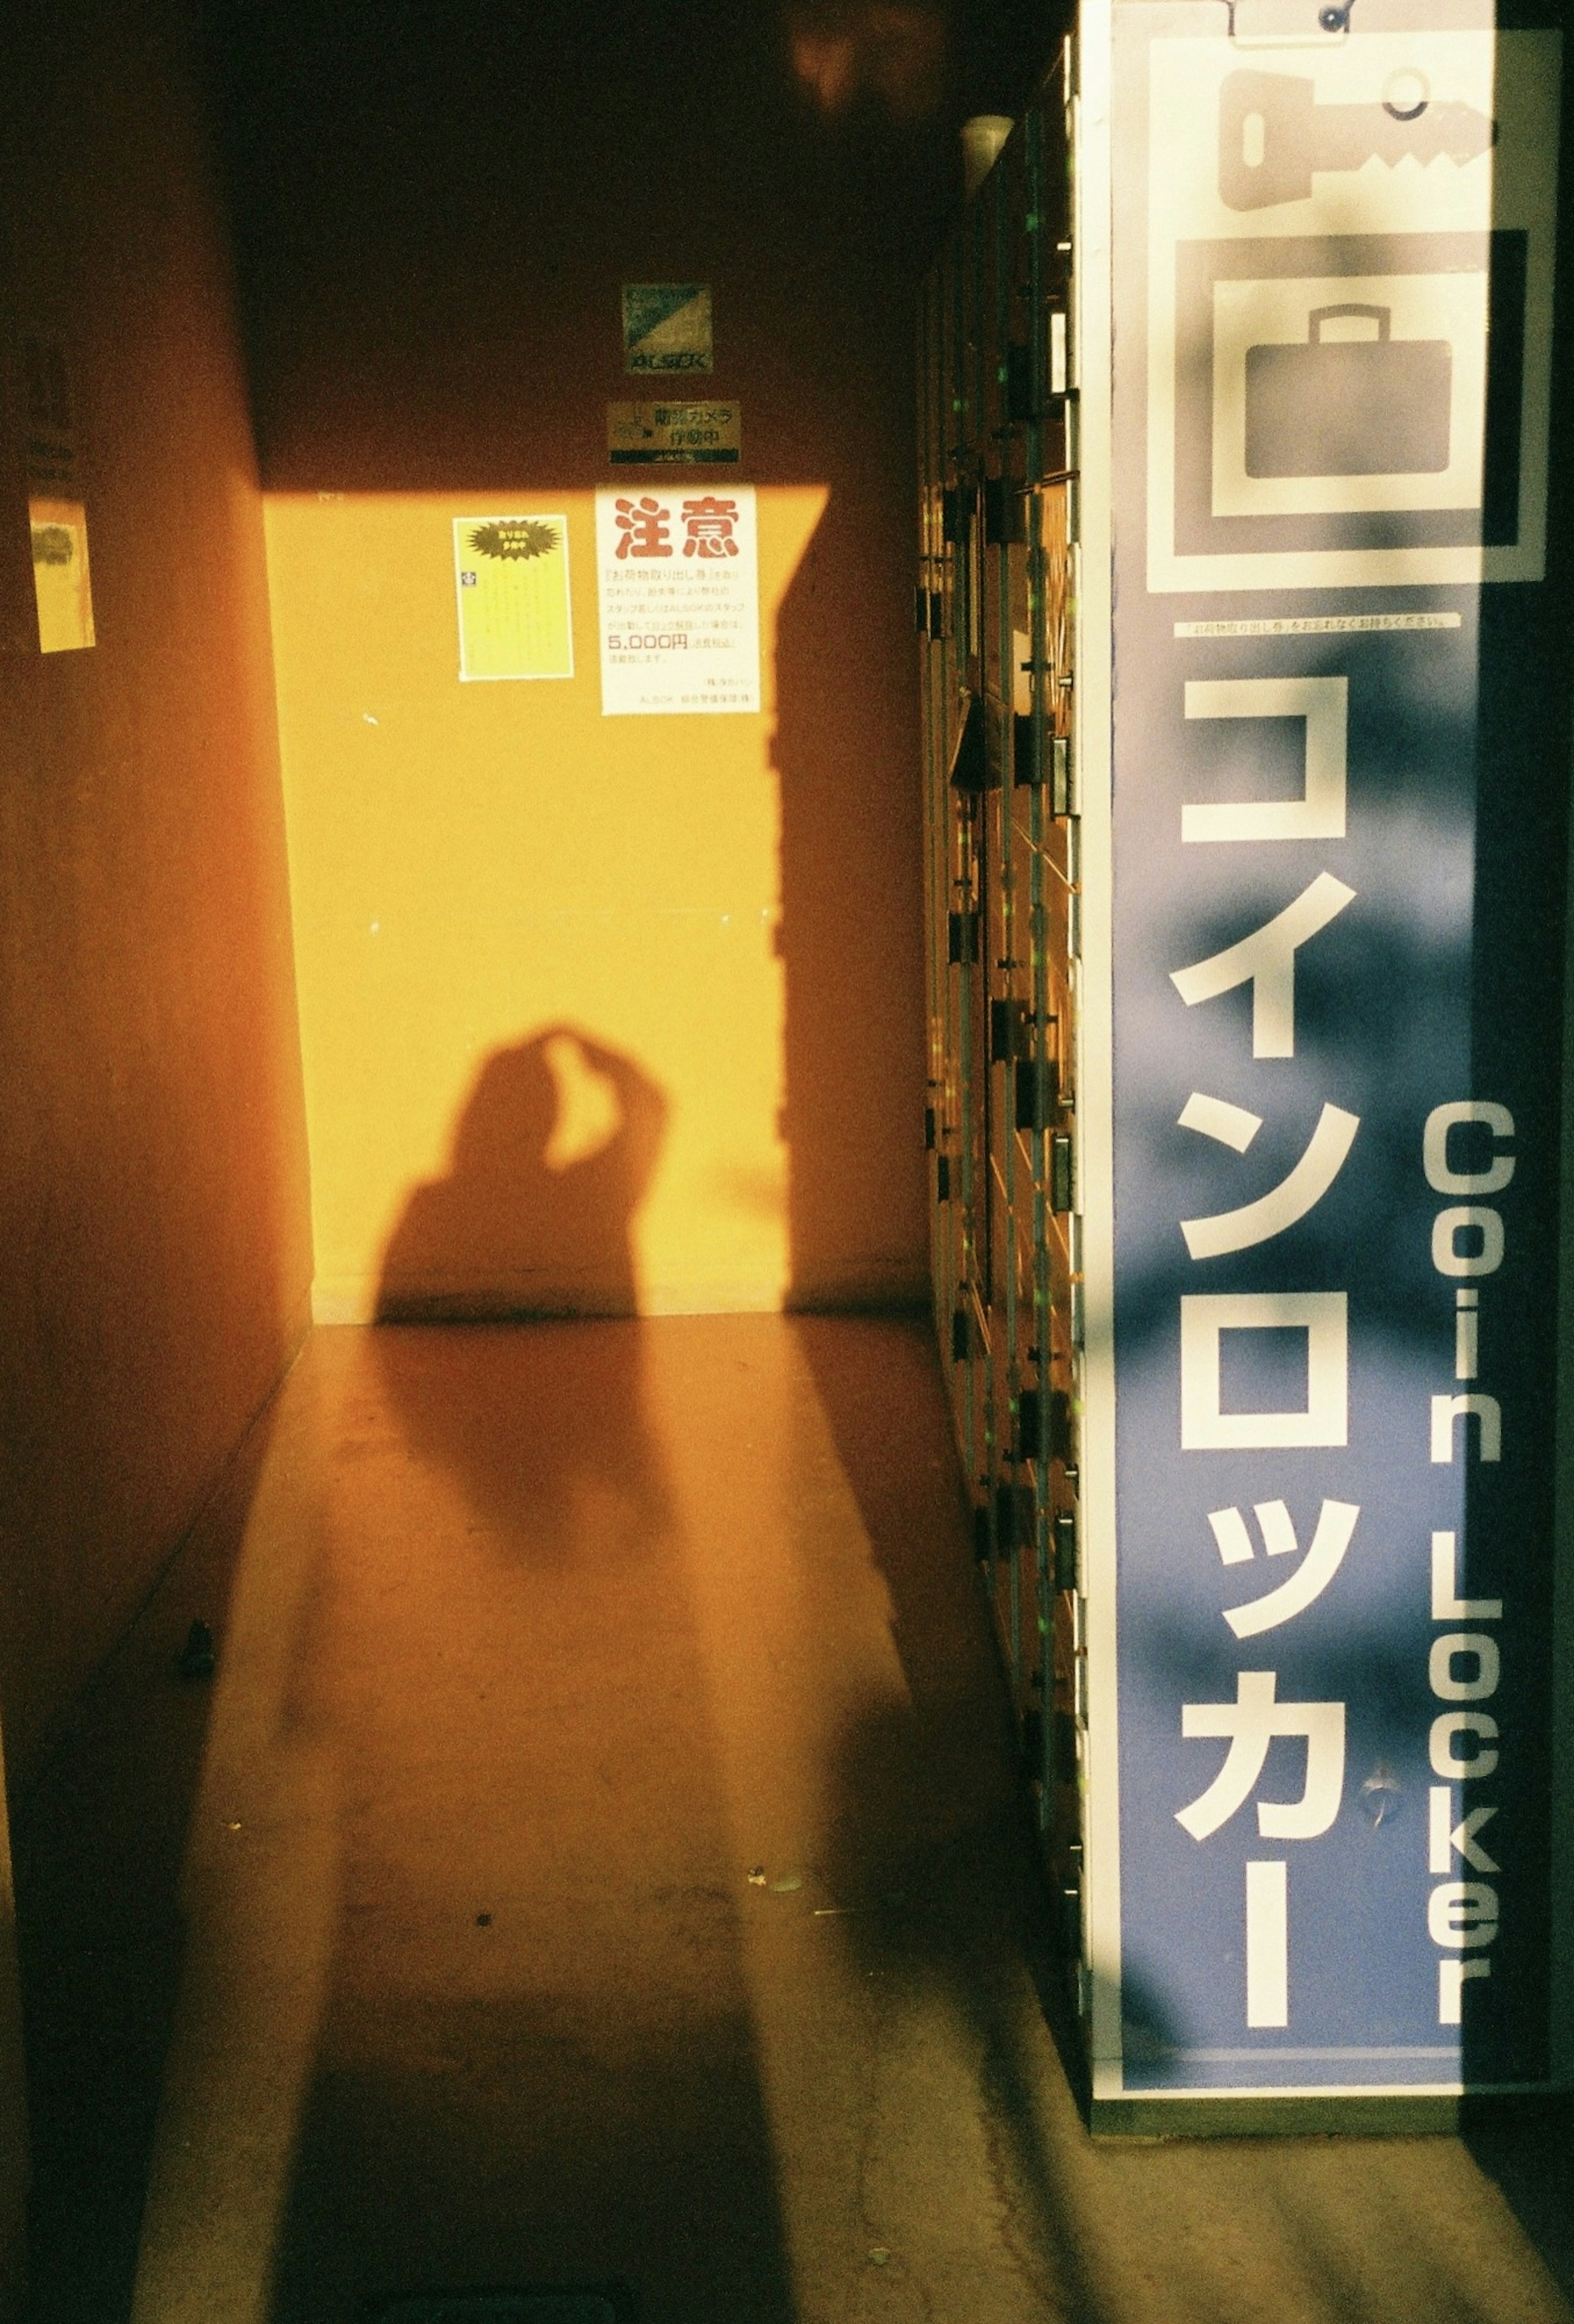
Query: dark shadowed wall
x=154, y=1254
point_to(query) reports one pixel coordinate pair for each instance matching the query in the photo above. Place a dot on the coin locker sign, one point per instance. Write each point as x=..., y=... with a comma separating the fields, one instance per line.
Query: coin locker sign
x=680, y=601
x=1339, y=840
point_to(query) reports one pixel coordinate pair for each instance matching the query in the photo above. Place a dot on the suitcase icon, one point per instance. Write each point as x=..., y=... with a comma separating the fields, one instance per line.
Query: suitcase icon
x=1367, y=406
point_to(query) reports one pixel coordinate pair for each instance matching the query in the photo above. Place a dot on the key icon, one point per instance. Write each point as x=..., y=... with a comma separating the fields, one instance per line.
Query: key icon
x=1272, y=134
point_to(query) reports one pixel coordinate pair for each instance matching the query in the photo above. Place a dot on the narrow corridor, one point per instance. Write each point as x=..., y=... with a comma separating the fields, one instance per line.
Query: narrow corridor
x=605, y=1866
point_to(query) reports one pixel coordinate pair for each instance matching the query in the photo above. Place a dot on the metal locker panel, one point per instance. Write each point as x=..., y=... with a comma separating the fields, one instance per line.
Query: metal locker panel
x=1003, y=848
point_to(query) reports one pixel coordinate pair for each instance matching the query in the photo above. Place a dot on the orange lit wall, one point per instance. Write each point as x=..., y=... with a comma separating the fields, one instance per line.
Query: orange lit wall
x=155, y=1261
x=727, y=908
x=478, y=864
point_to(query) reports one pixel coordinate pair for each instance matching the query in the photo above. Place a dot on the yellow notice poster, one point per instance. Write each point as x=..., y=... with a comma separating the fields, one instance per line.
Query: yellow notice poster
x=511, y=577
x=61, y=579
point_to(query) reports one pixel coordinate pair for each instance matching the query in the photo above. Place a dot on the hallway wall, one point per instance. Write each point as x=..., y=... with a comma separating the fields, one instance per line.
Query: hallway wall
x=474, y=863
x=154, y=1253
x=437, y=206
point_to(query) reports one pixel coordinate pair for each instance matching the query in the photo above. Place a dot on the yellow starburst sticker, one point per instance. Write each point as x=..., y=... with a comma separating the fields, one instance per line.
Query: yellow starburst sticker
x=511, y=576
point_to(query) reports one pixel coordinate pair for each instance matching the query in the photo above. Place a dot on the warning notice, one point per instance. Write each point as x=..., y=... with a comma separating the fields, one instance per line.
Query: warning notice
x=679, y=592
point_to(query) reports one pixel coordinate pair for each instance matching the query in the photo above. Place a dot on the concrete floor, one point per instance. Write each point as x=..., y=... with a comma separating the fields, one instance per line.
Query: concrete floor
x=598, y=1860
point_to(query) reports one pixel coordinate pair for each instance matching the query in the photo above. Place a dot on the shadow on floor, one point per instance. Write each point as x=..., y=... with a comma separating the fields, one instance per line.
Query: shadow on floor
x=99, y=1846
x=539, y=2058
x=535, y=1213
x=956, y=1893
x=1527, y=2151
x=956, y=1896
x=535, y=2061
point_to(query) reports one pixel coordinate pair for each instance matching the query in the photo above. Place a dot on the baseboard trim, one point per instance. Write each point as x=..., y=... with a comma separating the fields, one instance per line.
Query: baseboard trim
x=1406, y=2114
x=357, y=1299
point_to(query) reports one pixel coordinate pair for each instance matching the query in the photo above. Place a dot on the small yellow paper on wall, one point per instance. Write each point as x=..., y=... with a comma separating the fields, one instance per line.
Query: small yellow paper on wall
x=61, y=579
x=511, y=578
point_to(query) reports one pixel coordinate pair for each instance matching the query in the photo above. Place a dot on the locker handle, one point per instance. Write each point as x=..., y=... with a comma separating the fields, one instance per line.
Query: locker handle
x=1382, y=316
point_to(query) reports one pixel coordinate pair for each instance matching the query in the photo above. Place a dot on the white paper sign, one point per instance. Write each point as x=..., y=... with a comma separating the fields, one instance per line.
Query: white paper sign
x=680, y=600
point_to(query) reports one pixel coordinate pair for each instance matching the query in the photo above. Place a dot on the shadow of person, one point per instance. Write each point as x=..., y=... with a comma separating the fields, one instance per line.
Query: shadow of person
x=532, y=1223
x=523, y=1225
x=563, y=2085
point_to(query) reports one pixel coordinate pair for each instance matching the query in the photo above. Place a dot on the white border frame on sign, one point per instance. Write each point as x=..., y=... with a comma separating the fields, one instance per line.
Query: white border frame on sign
x=1170, y=573
x=1092, y=350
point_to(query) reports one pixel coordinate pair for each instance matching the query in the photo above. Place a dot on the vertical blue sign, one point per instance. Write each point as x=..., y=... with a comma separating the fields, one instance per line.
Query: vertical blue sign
x=1340, y=800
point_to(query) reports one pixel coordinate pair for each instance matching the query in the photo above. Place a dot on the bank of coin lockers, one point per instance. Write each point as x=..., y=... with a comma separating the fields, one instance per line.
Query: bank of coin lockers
x=997, y=612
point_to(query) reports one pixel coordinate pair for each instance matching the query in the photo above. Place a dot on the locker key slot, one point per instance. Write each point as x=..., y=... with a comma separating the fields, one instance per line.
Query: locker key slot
x=1010, y=1031
x=1005, y=513
x=1061, y=1169
x=929, y=612
x=1054, y=765
x=1021, y=406
x=1034, y=1108
x=1060, y=378
x=1060, y=775
x=1065, y=1534
x=1014, y=1516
